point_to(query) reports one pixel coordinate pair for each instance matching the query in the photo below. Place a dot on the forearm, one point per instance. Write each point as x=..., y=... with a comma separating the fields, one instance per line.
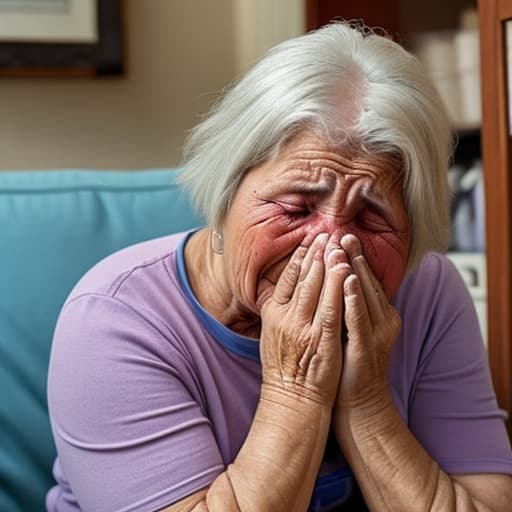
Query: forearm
x=276, y=467
x=393, y=470
x=278, y=463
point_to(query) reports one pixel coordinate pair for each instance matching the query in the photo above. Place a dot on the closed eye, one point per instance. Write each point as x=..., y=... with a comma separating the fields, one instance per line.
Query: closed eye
x=295, y=210
x=372, y=221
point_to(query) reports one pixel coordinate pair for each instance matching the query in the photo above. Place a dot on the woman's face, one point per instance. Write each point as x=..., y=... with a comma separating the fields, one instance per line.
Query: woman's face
x=308, y=189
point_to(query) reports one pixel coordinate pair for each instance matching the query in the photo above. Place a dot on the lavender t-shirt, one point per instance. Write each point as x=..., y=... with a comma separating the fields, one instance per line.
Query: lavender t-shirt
x=150, y=398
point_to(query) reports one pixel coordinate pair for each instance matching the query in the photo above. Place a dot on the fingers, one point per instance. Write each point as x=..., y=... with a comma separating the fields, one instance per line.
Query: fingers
x=315, y=281
x=303, y=275
x=301, y=322
x=289, y=277
x=370, y=287
x=330, y=311
x=311, y=277
x=357, y=318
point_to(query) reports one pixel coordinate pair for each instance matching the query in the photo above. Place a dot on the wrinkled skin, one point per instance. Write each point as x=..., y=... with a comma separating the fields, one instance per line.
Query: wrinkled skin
x=274, y=222
x=301, y=332
x=309, y=189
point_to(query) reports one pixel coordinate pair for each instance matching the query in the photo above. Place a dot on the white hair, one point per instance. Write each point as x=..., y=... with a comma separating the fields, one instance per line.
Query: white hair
x=301, y=84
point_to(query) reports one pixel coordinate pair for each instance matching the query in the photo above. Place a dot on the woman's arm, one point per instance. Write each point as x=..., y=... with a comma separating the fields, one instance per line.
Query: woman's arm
x=395, y=473
x=392, y=468
x=278, y=463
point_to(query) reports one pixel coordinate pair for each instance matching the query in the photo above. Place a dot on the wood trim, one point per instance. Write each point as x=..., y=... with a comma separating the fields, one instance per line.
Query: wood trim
x=311, y=15
x=504, y=9
x=496, y=162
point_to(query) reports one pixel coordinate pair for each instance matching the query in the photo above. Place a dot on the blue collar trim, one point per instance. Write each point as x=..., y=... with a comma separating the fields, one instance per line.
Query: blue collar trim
x=240, y=345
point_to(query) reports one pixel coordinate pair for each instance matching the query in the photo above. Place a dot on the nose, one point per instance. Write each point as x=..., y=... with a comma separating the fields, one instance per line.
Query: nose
x=334, y=225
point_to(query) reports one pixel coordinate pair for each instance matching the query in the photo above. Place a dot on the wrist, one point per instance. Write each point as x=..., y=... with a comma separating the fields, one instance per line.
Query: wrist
x=298, y=391
x=293, y=413
x=293, y=401
x=282, y=452
x=370, y=418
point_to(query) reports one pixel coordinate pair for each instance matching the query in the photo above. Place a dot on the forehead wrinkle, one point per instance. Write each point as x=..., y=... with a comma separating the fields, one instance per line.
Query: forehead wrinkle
x=321, y=181
x=298, y=175
x=311, y=170
x=312, y=167
x=371, y=167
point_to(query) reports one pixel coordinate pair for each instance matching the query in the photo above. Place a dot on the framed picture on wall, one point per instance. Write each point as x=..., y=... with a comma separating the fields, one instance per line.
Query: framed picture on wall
x=60, y=37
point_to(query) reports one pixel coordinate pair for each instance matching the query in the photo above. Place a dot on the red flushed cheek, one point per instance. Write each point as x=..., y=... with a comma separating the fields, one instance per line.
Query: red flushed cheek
x=272, y=247
x=272, y=243
x=388, y=263
x=287, y=231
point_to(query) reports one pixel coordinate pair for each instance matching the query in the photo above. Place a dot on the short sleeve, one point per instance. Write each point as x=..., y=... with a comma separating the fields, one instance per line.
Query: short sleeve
x=129, y=425
x=452, y=407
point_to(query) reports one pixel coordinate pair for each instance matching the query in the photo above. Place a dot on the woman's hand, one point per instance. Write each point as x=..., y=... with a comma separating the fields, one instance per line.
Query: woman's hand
x=372, y=327
x=301, y=323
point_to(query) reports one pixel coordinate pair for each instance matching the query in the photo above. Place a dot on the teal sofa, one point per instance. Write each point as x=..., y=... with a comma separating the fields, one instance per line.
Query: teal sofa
x=54, y=225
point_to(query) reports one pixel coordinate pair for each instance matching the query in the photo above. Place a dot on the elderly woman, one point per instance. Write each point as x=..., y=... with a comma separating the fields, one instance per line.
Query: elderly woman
x=307, y=345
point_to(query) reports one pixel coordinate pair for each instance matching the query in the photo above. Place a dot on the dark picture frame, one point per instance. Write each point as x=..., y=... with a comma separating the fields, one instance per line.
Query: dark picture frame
x=101, y=58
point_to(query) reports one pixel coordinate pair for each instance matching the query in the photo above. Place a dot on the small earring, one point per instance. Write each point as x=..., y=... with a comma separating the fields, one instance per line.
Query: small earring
x=217, y=242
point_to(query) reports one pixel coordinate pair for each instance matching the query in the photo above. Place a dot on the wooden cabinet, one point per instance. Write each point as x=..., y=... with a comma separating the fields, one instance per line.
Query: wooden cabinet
x=493, y=16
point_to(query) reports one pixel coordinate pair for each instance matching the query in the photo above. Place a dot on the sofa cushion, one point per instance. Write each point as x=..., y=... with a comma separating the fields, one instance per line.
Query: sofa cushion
x=54, y=225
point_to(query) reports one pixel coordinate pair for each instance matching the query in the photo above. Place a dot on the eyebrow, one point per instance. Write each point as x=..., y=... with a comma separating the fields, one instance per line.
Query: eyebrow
x=309, y=189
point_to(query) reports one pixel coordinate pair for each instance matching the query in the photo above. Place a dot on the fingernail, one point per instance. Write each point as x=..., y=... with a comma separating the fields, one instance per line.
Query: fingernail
x=322, y=238
x=351, y=243
x=336, y=256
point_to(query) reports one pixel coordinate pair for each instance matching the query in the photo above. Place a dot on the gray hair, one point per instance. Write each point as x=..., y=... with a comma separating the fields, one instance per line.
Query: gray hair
x=298, y=85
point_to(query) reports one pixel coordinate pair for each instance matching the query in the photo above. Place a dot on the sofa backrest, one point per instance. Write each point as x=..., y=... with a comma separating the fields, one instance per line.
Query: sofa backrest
x=55, y=225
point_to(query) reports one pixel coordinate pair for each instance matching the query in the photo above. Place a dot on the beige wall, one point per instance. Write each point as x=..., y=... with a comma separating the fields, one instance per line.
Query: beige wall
x=180, y=55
